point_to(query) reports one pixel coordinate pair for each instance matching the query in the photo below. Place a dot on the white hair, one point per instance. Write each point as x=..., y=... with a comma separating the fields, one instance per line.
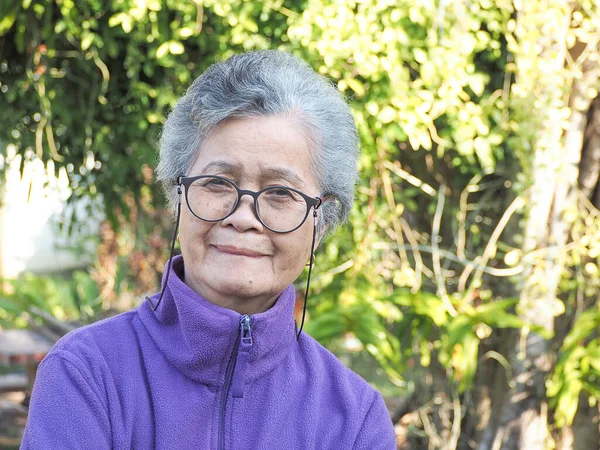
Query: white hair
x=265, y=83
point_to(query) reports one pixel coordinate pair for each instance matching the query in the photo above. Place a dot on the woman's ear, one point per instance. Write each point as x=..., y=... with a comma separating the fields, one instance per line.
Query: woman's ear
x=321, y=232
x=322, y=227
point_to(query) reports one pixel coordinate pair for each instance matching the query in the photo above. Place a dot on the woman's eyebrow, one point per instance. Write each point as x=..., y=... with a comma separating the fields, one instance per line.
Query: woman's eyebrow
x=290, y=176
x=269, y=173
x=221, y=166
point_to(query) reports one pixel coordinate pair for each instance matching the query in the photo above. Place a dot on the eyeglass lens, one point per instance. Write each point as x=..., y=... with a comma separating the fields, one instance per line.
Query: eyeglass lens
x=278, y=208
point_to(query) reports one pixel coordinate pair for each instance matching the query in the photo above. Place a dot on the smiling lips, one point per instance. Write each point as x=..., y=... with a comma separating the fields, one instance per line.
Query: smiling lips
x=230, y=249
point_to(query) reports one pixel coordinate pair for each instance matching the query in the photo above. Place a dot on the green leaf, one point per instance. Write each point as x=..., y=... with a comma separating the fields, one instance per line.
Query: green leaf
x=7, y=21
x=387, y=115
x=86, y=42
x=356, y=86
x=567, y=403
x=116, y=19
x=587, y=323
x=153, y=5
x=176, y=48
x=162, y=50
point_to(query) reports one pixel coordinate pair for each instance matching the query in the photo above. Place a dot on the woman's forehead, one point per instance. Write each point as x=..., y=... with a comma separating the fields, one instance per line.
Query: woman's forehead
x=266, y=171
x=261, y=148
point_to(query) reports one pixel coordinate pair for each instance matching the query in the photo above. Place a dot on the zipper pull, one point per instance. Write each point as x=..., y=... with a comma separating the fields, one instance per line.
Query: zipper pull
x=239, y=374
x=246, y=331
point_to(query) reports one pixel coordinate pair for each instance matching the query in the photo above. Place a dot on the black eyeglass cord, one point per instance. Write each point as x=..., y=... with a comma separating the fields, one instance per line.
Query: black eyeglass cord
x=162, y=292
x=310, y=264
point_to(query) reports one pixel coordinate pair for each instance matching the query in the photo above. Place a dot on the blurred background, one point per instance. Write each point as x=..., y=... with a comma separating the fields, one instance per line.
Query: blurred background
x=465, y=286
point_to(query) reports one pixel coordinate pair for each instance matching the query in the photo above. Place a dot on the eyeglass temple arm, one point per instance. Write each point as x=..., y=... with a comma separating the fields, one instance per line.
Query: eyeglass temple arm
x=310, y=264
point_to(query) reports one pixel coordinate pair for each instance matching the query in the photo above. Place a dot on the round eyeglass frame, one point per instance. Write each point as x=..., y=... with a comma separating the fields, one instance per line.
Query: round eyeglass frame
x=310, y=201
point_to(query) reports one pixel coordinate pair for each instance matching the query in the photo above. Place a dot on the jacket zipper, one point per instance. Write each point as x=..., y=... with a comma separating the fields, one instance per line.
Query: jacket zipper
x=235, y=372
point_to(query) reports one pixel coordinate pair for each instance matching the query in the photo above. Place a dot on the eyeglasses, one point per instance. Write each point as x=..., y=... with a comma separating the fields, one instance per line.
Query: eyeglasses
x=280, y=209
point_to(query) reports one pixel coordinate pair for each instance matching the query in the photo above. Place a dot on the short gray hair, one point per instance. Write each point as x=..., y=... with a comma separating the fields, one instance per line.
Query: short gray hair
x=265, y=83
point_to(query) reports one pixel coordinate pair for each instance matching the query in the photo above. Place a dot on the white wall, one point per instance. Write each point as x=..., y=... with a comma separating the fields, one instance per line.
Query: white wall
x=29, y=238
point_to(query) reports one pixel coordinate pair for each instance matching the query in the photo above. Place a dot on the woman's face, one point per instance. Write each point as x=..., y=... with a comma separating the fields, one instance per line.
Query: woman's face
x=238, y=263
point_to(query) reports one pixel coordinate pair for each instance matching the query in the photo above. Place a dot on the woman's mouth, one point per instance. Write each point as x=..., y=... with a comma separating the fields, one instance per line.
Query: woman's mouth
x=239, y=251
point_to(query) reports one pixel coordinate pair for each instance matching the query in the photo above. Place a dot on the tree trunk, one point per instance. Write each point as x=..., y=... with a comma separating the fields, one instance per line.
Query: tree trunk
x=524, y=415
x=541, y=77
x=590, y=160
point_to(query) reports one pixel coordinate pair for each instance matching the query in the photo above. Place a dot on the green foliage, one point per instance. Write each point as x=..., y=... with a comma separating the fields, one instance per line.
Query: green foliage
x=409, y=79
x=68, y=299
x=360, y=309
x=577, y=369
x=87, y=84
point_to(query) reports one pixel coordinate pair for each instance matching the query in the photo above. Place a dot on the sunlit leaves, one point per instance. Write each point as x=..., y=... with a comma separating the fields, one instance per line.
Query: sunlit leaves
x=577, y=369
x=8, y=16
x=173, y=47
x=101, y=78
x=400, y=51
x=77, y=298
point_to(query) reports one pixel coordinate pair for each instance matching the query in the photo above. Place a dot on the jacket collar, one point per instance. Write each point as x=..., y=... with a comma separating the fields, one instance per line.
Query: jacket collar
x=197, y=337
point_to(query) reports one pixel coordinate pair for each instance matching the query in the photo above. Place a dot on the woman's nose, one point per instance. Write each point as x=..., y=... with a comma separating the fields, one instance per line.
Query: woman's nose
x=244, y=216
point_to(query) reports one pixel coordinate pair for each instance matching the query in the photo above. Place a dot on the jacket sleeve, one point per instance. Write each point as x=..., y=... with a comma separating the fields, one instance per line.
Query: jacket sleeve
x=377, y=431
x=66, y=411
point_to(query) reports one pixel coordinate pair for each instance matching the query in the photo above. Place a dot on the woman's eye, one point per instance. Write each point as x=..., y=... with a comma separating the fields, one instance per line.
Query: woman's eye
x=280, y=193
x=215, y=182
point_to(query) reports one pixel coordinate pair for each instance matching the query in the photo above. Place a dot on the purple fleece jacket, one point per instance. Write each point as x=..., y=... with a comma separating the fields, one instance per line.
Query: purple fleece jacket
x=193, y=375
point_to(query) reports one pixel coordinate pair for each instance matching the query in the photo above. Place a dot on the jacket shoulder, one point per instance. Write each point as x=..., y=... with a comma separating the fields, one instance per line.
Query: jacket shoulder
x=96, y=340
x=344, y=393
x=323, y=363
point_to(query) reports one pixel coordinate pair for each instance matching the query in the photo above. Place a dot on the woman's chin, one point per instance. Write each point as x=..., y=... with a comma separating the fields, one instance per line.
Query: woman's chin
x=236, y=283
x=235, y=288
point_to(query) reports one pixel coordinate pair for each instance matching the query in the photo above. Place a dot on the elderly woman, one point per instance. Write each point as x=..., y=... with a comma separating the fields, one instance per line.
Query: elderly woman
x=258, y=160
